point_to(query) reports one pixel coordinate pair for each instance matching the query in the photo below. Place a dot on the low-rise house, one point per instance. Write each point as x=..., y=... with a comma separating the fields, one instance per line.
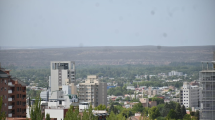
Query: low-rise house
x=130, y=88
x=146, y=103
x=172, y=87
x=176, y=100
x=166, y=100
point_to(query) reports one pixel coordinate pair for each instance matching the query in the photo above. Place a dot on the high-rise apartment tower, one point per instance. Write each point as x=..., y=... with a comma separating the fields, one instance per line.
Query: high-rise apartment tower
x=93, y=91
x=207, y=93
x=13, y=93
x=62, y=73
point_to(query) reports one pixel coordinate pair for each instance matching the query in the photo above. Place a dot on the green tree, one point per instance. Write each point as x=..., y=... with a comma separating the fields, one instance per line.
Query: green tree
x=2, y=114
x=154, y=113
x=120, y=117
x=112, y=116
x=146, y=111
x=72, y=114
x=197, y=115
x=178, y=111
x=147, y=77
x=35, y=110
x=160, y=107
x=88, y=114
x=85, y=115
x=183, y=111
x=29, y=102
x=187, y=117
x=126, y=112
x=171, y=114
x=137, y=107
x=166, y=110
x=48, y=116
x=111, y=108
x=100, y=107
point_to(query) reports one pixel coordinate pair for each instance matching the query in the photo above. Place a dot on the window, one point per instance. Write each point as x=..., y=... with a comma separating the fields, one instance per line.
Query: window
x=17, y=96
x=17, y=103
x=17, y=88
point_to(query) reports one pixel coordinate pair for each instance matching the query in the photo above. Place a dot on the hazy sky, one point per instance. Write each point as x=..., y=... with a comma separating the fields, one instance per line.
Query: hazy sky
x=107, y=22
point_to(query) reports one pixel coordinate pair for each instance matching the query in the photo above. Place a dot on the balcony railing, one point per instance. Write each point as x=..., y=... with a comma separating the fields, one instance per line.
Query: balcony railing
x=9, y=91
x=10, y=84
x=10, y=115
x=10, y=107
x=10, y=99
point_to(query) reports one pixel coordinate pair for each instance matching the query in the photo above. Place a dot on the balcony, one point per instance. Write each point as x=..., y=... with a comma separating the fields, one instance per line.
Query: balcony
x=10, y=115
x=10, y=99
x=10, y=107
x=9, y=91
x=10, y=84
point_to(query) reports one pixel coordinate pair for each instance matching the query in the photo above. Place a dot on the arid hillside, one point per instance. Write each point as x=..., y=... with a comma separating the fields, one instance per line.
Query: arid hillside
x=156, y=55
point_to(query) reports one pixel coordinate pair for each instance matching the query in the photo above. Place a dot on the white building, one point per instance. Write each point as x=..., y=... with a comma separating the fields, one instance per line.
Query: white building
x=130, y=88
x=56, y=113
x=175, y=73
x=189, y=95
x=84, y=106
x=60, y=72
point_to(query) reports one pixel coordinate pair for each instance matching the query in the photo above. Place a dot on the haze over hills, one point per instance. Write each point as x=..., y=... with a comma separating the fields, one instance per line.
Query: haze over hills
x=147, y=55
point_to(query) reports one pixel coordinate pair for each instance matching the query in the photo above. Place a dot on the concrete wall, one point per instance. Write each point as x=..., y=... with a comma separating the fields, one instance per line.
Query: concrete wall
x=66, y=89
x=54, y=80
x=55, y=113
x=64, y=76
x=102, y=94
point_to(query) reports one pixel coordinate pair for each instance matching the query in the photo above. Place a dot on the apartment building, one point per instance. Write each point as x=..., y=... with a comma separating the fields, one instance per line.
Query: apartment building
x=93, y=91
x=175, y=73
x=13, y=92
x=153, y=91
x=189, y=95
x=207, y=93
x=62, y=73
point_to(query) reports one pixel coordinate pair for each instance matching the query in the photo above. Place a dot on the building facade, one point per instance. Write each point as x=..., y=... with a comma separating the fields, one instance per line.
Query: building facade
x=93, y=91
x=175, y=73
x=62, y=73
x=189, y=95
x=13, y=92
x=207, y=93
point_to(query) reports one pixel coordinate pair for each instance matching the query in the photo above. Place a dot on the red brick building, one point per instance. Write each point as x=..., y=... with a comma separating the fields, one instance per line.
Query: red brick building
x=13, y=92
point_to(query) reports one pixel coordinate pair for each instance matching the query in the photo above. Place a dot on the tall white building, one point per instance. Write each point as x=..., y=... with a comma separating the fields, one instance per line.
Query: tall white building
x=207, y=93
x=93, y=91
x=189, y=95
x=62, y=73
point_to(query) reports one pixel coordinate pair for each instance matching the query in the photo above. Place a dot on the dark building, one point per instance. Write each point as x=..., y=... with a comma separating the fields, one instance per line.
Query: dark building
x=13, y=92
